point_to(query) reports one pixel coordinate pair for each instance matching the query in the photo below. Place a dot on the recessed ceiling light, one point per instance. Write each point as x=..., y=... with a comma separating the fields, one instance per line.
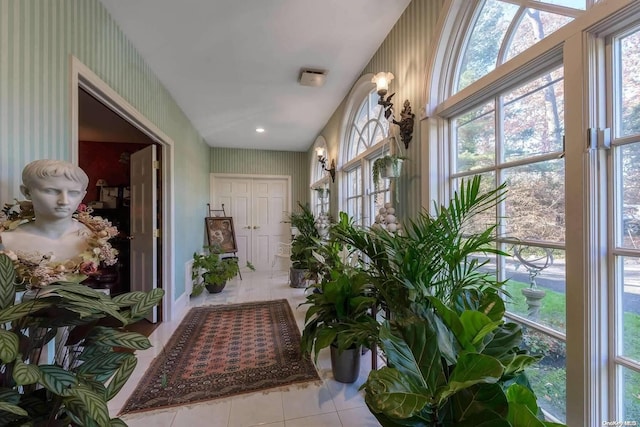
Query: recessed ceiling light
x=259, y=130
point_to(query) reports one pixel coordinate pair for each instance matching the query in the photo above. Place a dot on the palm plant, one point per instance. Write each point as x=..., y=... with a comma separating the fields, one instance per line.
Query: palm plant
x=451, y=357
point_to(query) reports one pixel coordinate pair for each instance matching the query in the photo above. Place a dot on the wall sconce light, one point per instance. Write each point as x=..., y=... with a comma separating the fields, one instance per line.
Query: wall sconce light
x=407, y=118
x=323, y=161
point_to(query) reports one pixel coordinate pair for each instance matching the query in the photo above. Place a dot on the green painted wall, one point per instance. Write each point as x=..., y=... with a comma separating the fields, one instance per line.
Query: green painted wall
x=405, y=52
x=264, y=162
x=37, y=38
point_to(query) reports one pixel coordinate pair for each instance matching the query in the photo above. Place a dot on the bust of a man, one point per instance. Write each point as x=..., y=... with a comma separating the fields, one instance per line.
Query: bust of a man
x=55, y=189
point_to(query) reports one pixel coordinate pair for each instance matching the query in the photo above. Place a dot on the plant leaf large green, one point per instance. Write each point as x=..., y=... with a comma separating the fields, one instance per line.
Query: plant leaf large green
x=116, y=338
x=25, y=373
x=93, y=403
x=472, y=368
x=121, y=376
x=144, y=306
x=57, y=380
x=12, y=409
x=8, y=346
x=391, y=392
x=23, y=309
x=486, y=402
x=7, y=279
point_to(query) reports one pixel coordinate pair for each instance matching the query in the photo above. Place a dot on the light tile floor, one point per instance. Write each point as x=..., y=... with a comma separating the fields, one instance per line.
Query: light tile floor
x=325, y=404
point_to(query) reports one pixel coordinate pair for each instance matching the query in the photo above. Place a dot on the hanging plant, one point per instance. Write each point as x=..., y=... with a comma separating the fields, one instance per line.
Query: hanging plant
x=388, y=166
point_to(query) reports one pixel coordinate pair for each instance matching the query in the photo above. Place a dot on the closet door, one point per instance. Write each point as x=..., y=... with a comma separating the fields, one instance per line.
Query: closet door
x=258, y=207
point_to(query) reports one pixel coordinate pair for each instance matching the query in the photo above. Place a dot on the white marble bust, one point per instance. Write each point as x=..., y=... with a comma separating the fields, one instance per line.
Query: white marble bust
x=55, y=188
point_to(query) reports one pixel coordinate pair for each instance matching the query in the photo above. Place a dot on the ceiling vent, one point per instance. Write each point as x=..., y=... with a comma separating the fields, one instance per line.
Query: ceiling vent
x=310, y=77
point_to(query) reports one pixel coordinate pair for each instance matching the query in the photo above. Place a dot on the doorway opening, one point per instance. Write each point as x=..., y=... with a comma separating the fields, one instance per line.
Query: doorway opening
x=108, y=131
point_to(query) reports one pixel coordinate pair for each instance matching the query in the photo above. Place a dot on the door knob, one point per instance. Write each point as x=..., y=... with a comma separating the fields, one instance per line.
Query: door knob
x=255, y=227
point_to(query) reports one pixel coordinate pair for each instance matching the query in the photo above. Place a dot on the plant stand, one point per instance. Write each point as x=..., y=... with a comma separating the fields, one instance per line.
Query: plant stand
x=534, y=301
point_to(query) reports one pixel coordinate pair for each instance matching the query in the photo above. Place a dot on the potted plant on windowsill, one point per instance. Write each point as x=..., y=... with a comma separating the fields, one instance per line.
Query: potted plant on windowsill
x=211, y=272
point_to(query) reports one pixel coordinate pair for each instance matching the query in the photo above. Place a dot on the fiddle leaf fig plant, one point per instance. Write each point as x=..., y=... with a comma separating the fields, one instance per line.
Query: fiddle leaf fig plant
x=73, y=386
x=447, y=369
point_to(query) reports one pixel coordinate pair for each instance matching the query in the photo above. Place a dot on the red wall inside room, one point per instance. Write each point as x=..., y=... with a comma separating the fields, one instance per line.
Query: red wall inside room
x=101, y=160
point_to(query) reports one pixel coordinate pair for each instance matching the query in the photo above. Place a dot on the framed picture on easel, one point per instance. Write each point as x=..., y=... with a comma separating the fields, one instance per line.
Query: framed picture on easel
x=220, y=231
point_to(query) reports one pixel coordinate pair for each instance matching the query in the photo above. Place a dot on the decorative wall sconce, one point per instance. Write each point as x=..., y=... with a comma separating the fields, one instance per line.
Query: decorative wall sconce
x=407, y=118
x=322, y=158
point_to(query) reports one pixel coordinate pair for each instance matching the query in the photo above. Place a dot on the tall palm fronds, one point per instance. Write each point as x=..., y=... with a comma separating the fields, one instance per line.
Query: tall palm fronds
x=434, y=256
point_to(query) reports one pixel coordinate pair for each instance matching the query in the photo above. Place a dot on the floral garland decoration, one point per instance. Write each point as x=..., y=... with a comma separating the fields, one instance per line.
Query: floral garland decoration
x=36, y=270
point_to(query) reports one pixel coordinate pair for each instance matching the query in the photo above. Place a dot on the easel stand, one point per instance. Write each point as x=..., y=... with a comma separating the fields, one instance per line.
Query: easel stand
x=222, y=213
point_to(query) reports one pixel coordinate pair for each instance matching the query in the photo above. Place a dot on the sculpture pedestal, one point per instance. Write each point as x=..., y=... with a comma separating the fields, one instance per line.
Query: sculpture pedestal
x=534, y=301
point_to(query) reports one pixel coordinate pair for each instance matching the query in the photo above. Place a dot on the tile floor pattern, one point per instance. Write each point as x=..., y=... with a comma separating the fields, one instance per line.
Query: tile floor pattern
x=325, y=404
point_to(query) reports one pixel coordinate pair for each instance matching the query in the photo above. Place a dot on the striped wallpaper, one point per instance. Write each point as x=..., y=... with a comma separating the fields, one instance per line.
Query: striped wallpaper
x=264, y=162
x=405, y=52
x=37, y=38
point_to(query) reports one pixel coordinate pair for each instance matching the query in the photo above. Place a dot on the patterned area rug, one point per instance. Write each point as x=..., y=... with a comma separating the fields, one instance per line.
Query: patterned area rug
x=220, y=351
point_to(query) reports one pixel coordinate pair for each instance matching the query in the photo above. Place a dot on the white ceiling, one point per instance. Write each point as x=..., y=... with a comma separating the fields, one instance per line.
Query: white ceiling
x=233, y=65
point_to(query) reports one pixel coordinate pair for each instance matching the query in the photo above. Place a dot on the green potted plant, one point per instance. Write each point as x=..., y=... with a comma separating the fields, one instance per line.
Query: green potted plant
x=303, y=244
x=339, y=317
x=211, y=272
x=73, y=389
x=389, y=166
x=451, y=357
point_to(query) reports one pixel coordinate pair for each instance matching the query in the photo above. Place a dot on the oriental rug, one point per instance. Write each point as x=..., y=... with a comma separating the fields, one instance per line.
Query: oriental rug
x=220, y=351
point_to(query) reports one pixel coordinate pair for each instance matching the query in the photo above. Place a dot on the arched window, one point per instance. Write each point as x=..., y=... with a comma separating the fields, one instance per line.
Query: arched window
x=500, y=108
x=365, y=138
x=502, y=30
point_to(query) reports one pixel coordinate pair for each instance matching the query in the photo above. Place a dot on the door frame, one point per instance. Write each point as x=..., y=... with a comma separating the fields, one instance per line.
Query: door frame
x=214, y=175
x=83, y=77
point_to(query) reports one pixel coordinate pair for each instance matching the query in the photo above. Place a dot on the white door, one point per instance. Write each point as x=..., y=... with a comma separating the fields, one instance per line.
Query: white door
x=143, y=222
x=259, y=207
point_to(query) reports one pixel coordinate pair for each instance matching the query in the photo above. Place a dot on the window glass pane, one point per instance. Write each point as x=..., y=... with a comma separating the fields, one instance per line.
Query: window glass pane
x=368, y=127
x=354, y=186
x=354, y=207
x=536, y=285
x=534, y=117
x=475, y=138
x=629, y=106
x=533, y=27
x=481, y=53
x=576, y=4
x=534, y=207
x=481, y=221
x=548, y=377
x=629, y=317
x=630, y=389
x=628, y=217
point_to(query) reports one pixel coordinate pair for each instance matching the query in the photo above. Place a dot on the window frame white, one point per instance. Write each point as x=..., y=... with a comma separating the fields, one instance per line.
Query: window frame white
x=577, y=46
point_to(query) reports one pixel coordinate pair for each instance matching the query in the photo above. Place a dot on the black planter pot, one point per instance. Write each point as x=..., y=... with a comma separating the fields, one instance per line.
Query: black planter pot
x=346, y=365
x=215, y=288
